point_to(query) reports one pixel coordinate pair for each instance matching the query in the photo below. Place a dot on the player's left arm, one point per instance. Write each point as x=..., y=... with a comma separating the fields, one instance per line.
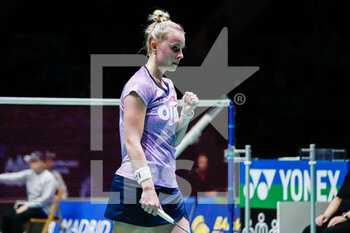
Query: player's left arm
x=190, y=102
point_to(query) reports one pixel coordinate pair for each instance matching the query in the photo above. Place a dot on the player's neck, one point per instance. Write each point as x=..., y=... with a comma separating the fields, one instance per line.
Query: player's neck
x=154, y=71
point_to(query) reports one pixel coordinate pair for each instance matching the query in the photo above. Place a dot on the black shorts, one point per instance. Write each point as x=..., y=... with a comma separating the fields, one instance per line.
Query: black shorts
x=123, y=204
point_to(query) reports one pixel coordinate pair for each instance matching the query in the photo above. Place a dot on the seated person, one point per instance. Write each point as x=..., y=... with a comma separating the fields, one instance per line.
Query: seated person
x=41, y=188
x=49, y=161
x=201, y=179
x=336, y=218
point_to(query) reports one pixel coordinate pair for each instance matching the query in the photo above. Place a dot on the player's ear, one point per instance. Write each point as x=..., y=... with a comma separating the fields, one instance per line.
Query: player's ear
x=153, y=46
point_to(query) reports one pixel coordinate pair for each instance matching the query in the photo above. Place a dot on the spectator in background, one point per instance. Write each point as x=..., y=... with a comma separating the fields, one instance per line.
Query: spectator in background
x=41, y=188
x=201, y=179
x=49, y=161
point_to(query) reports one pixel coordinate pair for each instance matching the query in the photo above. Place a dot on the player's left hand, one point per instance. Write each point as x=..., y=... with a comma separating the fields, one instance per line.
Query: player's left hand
x=21, y=209
x=190, y=102
x=336, y=220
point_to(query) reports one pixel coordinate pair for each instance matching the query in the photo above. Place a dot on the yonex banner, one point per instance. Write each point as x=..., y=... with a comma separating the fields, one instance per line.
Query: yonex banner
x=273, y=181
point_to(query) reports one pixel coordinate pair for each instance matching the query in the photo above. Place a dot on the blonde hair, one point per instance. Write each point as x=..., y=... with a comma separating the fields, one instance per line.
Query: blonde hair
x=157, y=30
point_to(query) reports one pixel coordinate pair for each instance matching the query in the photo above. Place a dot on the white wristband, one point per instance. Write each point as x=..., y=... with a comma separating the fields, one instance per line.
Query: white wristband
x=187, y=117
x=142, y=174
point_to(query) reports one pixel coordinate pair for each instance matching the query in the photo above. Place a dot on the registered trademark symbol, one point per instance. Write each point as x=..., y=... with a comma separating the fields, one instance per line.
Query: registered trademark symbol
x=239, y=99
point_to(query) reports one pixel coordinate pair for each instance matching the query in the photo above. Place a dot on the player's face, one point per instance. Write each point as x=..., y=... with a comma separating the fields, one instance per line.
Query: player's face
x=49, y=164
x=37, y=165
x=169, y=51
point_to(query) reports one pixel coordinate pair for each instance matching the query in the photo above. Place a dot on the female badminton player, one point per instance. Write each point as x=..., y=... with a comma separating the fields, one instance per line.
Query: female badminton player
x=150, y=128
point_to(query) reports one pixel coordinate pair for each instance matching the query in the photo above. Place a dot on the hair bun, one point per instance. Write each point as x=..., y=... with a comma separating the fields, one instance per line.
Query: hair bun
x=159, y=16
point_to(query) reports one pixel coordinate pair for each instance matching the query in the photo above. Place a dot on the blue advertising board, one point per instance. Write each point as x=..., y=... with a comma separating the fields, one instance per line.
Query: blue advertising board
x=87, y=217
x=271, y=181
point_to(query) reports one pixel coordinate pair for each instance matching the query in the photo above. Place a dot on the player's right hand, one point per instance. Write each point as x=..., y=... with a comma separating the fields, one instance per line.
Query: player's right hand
x=149, y=199
x=321, y=219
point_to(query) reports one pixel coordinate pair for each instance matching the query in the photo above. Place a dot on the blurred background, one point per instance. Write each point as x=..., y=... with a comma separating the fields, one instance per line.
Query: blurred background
x=299, y=96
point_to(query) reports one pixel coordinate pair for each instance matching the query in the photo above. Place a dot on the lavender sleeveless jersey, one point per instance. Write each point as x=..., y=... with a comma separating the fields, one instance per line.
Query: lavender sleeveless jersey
x=158, y=137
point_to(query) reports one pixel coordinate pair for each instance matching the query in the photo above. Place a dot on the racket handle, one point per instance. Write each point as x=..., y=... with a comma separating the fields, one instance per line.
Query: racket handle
x=165, y=216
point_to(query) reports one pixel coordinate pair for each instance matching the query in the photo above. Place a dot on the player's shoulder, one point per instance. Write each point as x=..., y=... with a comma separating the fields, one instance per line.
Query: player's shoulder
x=140, y=77
x=56, y=174
x=27, y=172
x=139, y=82
x=48, y=175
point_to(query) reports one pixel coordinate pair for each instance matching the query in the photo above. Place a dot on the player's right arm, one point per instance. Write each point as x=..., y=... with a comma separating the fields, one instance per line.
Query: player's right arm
x=329, y=212
x=15, y=177
x=134, y=118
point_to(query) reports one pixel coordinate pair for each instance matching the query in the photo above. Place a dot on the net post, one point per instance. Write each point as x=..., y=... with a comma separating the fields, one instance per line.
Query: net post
x=312, y=164
x=247, y=184
x=231, y=167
